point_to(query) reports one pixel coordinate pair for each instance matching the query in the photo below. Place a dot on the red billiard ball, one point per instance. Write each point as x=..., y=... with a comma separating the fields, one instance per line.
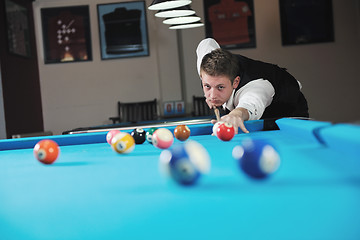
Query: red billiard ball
x=111, y=134
x=182, y=132
x=225, y=131
x=162, y=138
x=46, y=151
x=216, y=126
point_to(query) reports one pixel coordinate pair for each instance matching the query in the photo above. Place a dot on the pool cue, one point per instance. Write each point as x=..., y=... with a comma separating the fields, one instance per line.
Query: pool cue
x=217, y=114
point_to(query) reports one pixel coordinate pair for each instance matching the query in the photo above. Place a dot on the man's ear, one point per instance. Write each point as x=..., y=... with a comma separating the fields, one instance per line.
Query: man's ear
x=236, y=82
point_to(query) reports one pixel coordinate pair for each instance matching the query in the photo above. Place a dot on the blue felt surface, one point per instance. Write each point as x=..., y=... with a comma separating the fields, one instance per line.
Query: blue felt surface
x=91, y=192
x=307, y=129
x=343, y=137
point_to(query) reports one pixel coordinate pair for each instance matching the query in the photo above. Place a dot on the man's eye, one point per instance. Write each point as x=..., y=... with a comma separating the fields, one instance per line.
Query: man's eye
x=220, y=87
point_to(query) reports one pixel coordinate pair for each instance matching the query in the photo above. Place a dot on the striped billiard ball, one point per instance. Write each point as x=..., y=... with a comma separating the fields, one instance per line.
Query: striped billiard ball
x=185, y=162
x=162, y=138
x=149, y=134
x=257, y=158
x=111, y=134
x=123, y=143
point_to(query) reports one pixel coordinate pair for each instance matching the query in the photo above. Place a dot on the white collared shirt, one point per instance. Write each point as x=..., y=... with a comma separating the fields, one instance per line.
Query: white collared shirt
x=255, y=96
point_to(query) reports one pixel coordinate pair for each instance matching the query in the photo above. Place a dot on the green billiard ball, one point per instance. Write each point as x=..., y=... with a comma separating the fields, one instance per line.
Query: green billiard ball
x=149, y=134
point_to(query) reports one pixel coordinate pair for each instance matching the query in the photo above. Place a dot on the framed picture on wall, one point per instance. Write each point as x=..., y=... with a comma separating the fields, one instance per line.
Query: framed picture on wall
x=123, y=30
x=66, y=34
x=230, y=22
x=304, y=22
x=18, y=29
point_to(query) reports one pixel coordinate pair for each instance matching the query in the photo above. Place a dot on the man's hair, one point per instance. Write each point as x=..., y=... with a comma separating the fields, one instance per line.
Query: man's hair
x=220, y=62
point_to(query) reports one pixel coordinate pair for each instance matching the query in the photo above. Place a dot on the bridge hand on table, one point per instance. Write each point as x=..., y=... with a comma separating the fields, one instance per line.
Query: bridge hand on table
x=235, y=117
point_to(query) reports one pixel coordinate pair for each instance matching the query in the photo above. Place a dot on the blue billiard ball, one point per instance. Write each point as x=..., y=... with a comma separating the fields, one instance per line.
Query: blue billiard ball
x=257, y=158
x=185, y=162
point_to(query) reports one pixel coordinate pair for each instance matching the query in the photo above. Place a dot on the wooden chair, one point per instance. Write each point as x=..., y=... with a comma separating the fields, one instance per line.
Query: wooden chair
x=200, y=107
x=136, y=112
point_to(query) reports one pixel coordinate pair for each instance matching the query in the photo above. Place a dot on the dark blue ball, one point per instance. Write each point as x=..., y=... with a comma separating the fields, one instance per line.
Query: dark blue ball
x=185, y=162
x=257, y=158
x=181, y=168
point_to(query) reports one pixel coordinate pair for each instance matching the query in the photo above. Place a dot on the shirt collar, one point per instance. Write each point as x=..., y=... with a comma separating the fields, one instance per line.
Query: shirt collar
x=229, y=104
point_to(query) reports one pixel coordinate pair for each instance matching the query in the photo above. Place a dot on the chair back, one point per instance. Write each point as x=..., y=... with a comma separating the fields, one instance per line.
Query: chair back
x=200, y=107
x=138, y=111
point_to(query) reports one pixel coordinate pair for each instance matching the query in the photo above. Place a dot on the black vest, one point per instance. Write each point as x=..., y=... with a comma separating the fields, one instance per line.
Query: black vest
x=288, y=100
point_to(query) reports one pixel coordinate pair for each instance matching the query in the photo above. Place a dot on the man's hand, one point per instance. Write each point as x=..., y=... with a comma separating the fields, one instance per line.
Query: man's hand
x=236, y=117
x=211, y=106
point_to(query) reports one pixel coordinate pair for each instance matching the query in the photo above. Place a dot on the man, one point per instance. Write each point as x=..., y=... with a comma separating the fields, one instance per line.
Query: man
x=247, y=89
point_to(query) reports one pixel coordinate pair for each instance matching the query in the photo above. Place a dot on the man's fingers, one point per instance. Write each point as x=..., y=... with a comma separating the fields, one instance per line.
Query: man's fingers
x=237, y=124
x=243, y=128
x=209, y=103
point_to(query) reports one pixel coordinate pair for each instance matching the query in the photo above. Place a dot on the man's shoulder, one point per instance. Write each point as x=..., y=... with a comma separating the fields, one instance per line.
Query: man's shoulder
x=249, y=61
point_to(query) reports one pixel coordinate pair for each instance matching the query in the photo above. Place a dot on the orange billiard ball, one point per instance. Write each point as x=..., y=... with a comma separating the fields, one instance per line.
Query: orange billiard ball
x=46, y=151
x=182, y=132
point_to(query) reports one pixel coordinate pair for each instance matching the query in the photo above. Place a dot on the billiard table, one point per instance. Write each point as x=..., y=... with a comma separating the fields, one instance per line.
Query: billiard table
x=91, y=192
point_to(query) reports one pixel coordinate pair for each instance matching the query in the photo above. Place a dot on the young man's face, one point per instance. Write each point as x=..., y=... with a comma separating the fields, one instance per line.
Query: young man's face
x=218, y=89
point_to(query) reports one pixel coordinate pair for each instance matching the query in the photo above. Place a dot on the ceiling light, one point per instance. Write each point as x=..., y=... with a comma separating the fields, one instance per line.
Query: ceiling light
x=175, y=12
x=167, y=4
x=187, y=26
x=182, y=20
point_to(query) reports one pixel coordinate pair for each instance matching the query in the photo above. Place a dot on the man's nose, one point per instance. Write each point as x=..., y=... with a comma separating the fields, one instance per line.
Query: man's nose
x=212, y=93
